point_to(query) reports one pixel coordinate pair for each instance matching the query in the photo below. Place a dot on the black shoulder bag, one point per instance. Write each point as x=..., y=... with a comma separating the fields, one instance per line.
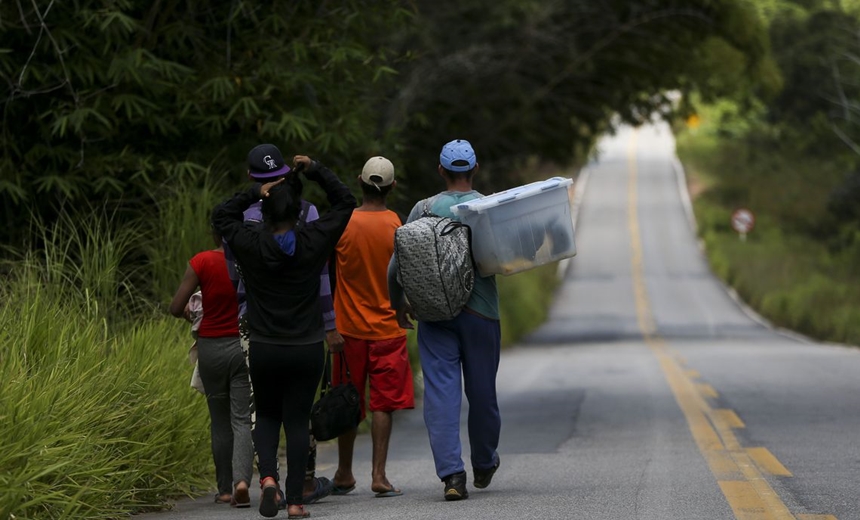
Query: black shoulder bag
x=337, y=411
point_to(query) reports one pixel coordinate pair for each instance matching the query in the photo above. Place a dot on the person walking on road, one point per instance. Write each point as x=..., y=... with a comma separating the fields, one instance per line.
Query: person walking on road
x=266, y=164
x=223, y=371
x=469, y=344
x=374, y=343
x=280, y=265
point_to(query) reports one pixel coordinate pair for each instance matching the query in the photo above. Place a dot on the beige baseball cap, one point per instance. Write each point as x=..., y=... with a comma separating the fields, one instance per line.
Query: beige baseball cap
x=378, y=171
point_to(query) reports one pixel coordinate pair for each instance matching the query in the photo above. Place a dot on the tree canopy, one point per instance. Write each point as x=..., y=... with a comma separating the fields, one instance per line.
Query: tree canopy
x=107, y=100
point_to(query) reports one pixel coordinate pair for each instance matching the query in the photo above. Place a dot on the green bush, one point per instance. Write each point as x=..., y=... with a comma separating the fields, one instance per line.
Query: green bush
x=98, y=420
x=796, y=267
x=524, y=300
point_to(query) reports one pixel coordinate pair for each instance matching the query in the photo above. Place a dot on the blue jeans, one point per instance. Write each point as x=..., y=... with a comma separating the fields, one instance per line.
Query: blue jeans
x=471, y=344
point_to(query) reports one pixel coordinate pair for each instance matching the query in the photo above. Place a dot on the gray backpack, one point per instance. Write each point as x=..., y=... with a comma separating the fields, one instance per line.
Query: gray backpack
x=434, y=257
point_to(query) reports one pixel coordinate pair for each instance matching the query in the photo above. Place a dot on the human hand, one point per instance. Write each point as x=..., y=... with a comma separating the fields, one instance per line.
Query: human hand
x=335, y=340
x=404, y=315
x=187, y=314
x=266, y=188
x=302, y=162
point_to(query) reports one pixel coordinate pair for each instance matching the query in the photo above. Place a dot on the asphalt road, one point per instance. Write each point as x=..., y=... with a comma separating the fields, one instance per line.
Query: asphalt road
x=650, y=393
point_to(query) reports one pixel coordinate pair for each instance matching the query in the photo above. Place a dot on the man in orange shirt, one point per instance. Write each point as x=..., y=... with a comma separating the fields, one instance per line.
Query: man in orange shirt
x=375, y=345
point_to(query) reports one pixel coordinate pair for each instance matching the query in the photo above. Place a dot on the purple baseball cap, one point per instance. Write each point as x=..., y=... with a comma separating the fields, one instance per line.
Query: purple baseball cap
x=265, y=162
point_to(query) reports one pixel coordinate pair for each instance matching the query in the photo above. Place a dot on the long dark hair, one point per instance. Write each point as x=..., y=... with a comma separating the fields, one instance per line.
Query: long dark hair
x=282, y=205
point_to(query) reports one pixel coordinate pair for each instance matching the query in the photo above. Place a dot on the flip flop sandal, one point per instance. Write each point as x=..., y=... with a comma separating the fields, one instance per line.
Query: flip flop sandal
x=269, y=500
x=241, y=499
x=389, y=493
x=324, y=488
x=337, y=490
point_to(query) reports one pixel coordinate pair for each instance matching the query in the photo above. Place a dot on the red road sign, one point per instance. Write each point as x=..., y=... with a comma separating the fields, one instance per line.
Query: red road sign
x=743, y=221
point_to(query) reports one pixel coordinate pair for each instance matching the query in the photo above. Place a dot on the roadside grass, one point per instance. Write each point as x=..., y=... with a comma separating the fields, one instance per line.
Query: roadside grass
x=524, y=300
x=96, y=414
x=179, y=227
x=788, y=269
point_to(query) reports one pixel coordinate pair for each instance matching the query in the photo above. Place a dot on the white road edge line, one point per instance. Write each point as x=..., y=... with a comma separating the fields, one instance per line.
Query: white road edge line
x=686, y=201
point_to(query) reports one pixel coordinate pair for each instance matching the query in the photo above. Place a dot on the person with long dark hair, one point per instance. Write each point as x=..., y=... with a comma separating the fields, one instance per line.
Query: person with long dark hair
x=266, y=164
x=281, y=263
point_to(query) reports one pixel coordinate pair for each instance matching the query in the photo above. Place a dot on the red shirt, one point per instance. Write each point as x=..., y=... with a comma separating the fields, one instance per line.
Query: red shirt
x=220, y=306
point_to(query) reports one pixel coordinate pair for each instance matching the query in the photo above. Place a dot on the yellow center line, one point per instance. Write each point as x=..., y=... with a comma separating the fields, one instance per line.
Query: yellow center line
x=747, y=491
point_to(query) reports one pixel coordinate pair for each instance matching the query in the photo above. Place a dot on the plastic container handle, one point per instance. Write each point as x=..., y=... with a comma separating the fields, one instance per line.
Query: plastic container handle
x=550, y=186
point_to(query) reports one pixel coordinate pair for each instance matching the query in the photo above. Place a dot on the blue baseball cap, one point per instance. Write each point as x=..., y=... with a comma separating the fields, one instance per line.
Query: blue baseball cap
x=458, y=151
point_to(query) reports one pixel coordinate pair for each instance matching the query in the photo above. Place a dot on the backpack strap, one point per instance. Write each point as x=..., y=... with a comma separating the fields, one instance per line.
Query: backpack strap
x=426, y=207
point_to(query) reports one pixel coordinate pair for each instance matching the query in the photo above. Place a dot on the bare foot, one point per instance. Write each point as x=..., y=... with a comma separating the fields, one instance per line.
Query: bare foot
x=381, y=486
x=241, y=498
x=343, y=480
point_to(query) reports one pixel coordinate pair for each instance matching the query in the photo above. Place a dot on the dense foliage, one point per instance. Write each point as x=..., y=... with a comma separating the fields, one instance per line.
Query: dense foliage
x=544, y=79
x=793, y=159
x=108, y=100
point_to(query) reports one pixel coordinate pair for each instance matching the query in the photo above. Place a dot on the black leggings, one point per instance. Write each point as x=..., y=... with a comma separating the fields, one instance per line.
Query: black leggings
x=285, y=379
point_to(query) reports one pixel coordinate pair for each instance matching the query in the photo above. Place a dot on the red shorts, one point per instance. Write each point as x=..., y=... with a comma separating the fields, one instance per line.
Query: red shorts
x=385, y=365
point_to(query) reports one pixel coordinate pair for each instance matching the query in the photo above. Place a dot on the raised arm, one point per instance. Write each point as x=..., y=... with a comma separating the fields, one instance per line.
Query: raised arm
x=228, y=217
x=322, y=235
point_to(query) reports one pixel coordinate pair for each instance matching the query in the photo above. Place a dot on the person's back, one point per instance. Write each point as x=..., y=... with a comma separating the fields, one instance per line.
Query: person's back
x=222, y=370
x=280, y=264
x=265, y=164
x=485, y=296
x=221, y=314
x=374, y=343
x=465, y=348
x=362, y=308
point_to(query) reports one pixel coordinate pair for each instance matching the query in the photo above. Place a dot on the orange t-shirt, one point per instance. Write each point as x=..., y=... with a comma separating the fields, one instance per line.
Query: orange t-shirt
x=361, y=305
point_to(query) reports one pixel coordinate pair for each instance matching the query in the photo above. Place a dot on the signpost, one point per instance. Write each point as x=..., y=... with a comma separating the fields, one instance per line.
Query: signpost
x=743, y=221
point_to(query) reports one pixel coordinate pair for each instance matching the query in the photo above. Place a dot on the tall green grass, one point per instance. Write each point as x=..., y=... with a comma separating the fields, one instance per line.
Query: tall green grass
x=788, y=269
x=178, y=227
x=96, y=414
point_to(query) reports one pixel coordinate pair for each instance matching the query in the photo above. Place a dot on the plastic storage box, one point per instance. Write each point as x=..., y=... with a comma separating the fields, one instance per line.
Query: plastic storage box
x=521, y=228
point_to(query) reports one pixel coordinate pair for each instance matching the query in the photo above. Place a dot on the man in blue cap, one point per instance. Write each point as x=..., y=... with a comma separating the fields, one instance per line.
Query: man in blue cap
x=470, y=342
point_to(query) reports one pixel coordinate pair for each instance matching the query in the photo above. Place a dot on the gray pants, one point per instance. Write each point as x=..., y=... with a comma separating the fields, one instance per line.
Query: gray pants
x=228, y=393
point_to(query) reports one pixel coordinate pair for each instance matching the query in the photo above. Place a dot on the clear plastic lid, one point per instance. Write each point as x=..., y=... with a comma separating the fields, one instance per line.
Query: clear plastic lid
x=503, y=197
